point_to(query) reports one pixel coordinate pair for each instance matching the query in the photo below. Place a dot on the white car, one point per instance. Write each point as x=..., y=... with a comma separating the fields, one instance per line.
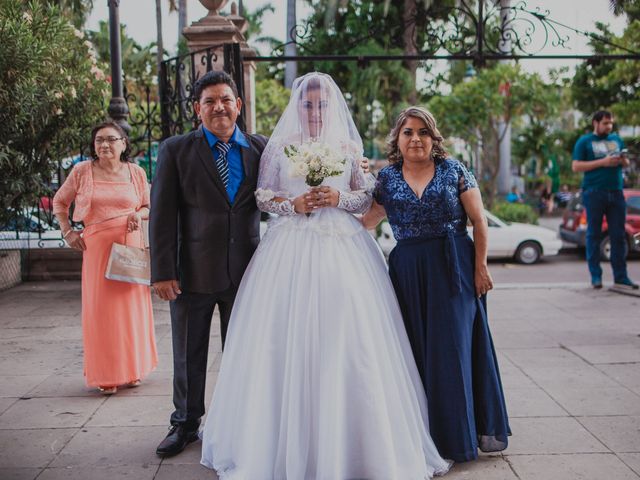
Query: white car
x=524, y=242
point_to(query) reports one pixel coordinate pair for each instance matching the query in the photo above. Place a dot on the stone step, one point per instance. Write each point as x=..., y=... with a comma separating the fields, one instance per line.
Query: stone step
x=52, y=264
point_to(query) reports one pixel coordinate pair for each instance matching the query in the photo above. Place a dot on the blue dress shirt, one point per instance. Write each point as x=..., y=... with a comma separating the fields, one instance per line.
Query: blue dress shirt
x=234, y=158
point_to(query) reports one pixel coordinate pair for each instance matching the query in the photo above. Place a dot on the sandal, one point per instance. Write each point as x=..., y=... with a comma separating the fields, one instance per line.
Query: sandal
x=108, y=390
x=135, y=383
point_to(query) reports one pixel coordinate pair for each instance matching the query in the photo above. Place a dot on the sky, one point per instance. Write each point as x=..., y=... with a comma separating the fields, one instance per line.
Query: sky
x=139, y=17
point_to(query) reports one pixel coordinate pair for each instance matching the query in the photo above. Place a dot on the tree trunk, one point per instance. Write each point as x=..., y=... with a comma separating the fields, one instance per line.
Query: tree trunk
x=182, y=17
x=409, y=38
x=159, y=41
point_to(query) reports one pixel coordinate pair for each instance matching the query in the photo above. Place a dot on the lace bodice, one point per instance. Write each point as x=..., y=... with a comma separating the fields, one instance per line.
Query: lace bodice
x=277, y=181
x=438, y=212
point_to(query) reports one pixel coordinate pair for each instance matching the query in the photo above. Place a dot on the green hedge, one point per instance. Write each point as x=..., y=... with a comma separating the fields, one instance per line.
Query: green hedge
x=515, y=212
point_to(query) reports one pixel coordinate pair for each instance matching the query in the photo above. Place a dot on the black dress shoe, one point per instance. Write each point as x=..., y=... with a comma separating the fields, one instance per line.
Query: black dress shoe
x=178, y=438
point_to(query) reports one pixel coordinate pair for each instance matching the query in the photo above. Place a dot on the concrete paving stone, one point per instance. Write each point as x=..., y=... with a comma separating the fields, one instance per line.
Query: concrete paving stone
x=214, y=360
x=46, y=321
x=65, y=385
x=5, y=403
x=49, y=413
x=626, y=374
x=532, y=402
x=535, y=436
x=632, y=460
x=165, y=362
x=112, y=446
x=156, y=384
x=507, y=339
x=35, y=364
x=164, y=345
x=184, y=472
x=69, y=307
x=593, y=466
x=621, y=433
x=511, y=325
x=597, y=354
x=512, y=376
x=19, y=473
x=131, y=411
x=19, y=385
x=32, y=448
x=493, y=467
x=577, y=376
x=75, y=366
x=66, y=333
x=133, y=472
x=37, y=347
x=528, y=358
x=594, y=337
x=597, y=401
x=24, y=333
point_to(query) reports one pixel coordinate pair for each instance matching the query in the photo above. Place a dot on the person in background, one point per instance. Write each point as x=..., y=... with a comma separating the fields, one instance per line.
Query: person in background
x=599, y=155
x=111, y=197
x=513, y=196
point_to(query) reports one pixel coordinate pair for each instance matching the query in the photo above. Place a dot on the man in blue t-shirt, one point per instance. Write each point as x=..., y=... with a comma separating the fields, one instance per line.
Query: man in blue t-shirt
x=601, y=157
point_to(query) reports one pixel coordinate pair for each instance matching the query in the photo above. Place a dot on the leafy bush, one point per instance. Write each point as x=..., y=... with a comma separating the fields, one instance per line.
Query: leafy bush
x=515, y=212
x=51, y=93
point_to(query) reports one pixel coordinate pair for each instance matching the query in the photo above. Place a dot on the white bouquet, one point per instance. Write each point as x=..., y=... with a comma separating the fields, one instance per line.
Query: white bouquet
x=314, y=161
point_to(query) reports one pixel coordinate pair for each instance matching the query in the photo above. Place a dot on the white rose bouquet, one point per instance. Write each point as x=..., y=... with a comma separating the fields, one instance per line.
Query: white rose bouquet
x=314, y=161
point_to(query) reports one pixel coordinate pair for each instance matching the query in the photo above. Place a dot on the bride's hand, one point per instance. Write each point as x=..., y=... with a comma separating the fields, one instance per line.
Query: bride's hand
x=304, y=203
x=325, y=197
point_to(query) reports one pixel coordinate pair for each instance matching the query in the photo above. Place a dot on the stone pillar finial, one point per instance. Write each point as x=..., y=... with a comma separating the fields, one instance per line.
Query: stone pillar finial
x=212, y=32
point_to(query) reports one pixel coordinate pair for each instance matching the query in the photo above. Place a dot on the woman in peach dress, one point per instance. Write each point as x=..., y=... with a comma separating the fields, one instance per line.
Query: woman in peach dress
x=111, y=197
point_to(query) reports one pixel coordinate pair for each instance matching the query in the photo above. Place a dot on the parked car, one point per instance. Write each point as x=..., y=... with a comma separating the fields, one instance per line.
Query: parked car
x=28, y=231
x=525, y=243
x=573, y=228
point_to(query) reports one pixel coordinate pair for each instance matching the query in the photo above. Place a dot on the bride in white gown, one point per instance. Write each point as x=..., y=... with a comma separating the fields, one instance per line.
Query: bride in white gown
x=317, y=380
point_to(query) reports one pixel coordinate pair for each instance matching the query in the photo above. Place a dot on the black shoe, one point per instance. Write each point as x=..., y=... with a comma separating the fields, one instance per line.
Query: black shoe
x=178, y=438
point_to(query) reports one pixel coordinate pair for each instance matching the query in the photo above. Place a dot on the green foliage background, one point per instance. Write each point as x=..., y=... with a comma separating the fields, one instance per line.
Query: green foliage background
x=51, y=92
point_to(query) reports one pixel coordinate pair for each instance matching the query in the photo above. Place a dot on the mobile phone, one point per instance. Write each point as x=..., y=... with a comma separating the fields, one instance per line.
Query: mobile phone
x=623, y=152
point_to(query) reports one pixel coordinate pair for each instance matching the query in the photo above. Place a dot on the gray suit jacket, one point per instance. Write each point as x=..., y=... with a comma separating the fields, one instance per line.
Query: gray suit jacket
x=196, y=235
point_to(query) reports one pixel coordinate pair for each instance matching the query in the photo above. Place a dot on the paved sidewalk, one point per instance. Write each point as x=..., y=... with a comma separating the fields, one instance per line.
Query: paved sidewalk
x=570, y=361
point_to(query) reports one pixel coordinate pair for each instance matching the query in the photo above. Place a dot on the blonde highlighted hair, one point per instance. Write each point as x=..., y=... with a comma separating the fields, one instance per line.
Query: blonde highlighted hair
x=438, y=152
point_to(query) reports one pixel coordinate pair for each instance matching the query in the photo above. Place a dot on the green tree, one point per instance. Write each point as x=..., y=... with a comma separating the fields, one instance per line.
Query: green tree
x=76, y=11
x=272, y=100
x=474, y=109
x=375, y=90
x=138, y=62
x=51, y=92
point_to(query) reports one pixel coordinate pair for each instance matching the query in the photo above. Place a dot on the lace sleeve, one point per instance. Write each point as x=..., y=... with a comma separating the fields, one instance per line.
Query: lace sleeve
x=269, y=187
x=358, y=200
x=265, y=199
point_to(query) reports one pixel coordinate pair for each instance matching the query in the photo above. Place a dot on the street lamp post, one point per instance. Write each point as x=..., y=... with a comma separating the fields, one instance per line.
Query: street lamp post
x=118, y=109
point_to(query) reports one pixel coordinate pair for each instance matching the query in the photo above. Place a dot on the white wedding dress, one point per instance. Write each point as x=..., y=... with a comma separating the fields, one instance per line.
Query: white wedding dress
x=317, y=380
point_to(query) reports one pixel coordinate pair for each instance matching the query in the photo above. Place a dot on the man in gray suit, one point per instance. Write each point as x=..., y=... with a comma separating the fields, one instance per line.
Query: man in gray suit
x=204, y=228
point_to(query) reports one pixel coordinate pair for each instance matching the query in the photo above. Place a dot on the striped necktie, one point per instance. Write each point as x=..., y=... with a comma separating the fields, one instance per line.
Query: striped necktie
x=221, y=161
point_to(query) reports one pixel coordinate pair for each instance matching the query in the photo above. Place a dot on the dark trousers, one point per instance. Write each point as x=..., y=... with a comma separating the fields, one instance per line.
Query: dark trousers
x=609, y=203
x=190, y=327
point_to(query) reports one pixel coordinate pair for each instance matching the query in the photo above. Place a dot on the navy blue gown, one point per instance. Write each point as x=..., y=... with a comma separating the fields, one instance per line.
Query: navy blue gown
x=432, y=270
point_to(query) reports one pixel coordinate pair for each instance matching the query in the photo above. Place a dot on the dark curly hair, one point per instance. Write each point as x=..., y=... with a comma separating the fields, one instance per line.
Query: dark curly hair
x=438, y=152
x=124, y=156
x=213, y=78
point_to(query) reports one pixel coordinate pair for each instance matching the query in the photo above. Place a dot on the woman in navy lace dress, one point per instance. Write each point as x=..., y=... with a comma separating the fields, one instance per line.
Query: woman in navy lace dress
x=441, y=279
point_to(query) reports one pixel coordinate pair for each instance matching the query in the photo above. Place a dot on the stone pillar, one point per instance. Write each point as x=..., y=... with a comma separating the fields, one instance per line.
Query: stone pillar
x=212, y=32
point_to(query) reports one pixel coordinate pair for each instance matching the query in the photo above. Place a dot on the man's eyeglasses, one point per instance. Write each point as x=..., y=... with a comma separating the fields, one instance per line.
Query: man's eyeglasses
x=109, y=140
